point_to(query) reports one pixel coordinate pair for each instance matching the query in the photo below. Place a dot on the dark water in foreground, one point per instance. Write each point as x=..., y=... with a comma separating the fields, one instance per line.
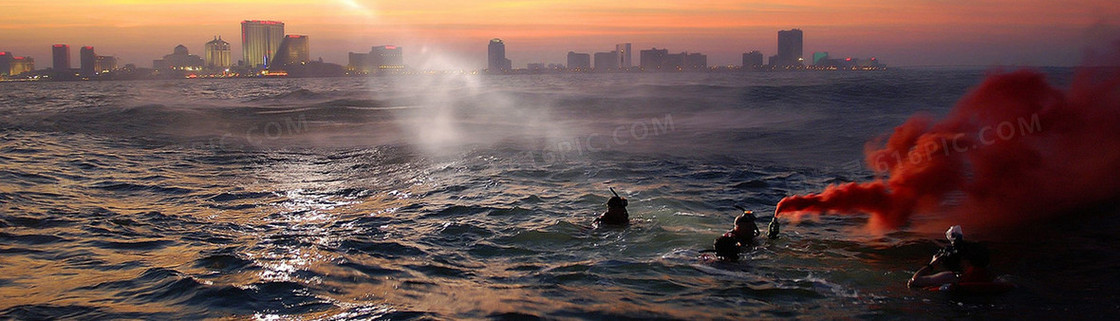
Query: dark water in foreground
x=467, y=197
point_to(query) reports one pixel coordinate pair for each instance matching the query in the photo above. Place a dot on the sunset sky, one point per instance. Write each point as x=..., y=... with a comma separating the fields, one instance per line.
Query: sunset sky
x=454, y=34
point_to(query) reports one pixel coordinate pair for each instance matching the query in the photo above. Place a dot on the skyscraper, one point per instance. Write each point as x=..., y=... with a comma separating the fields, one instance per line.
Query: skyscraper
x=92, y=64
x=294, y=49
x=88, y=60
x=217, y=54
x=496, y=57
x=259, y=41
x=790, y=48
x=61, y=55
x=625, y=59
x=6, y=59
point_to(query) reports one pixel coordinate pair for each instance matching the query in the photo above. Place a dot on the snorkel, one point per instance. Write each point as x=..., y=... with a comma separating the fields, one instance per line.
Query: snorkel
x=616, y=201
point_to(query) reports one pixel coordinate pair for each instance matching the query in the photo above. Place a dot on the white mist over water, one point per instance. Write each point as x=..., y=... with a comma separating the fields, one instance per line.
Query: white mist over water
x=455, y=112
x=447, y=112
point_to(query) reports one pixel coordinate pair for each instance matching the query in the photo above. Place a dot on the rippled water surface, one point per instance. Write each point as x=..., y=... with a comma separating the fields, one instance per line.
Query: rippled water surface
x=470, y=197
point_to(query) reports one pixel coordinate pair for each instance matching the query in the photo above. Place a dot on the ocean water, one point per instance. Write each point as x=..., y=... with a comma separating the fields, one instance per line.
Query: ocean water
x=470, y=197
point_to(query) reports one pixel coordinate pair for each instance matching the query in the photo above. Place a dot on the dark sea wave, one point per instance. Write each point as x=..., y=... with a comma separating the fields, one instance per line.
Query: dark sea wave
x=470, y=197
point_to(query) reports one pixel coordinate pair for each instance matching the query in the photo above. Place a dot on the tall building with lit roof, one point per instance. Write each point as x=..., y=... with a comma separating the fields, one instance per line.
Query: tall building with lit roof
x=61, y=55
x=259, y=41
x=88, y=59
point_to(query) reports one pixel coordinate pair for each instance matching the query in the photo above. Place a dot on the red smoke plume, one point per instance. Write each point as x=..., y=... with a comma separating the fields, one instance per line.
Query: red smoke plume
x=1013, y=150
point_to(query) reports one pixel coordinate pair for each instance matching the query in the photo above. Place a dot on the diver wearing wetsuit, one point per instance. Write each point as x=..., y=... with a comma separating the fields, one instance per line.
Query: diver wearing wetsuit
x=616, y=212
x=745, y=229
x=963, y=261
x=727, y=248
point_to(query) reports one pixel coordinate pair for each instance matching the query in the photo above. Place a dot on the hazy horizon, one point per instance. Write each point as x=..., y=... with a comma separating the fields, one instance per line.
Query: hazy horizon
x=437, y=35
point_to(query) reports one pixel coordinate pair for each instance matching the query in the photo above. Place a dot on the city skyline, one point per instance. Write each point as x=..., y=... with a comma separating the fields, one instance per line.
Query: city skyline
x=904, y=33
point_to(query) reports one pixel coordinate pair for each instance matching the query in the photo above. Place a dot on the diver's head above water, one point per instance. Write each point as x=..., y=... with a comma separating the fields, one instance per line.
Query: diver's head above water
x=617, y=201
x=727, y=248
x=746, y=218
x=954, y=234
x=745, y=229
x=616, y=211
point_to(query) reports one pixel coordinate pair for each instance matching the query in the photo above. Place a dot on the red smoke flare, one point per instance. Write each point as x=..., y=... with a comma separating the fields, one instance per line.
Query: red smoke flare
x=1014, y=150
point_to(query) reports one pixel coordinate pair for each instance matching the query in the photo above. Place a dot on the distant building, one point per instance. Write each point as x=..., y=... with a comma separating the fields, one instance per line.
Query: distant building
x=379, y=59
x=676, y=61
x=217, y=54
x=673, y=62
x=359, y=62
x=850, y=63
x=21, y=65
x=61, y=55
x=790, y=51
x=695, y=61
x=259, y=41
x=387, y=58
x=653, y=59
x=537, y=66
x=625, y=59
x=293, y=50
x=105, y=64
x=606, y=61
x=6, y=59
x=11, y=65
x=818, y=57
x=752, y=59
x=92, y=64
x=662, y=60
x=88, y=59
x=496, y=57
x=579, y=61
x=180, y=59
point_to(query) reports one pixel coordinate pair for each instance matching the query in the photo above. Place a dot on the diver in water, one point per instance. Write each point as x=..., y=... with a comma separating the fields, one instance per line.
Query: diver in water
x=962, y=261
x=727, y=248
x=773, y=228
x=745, y=229
x=616, y=211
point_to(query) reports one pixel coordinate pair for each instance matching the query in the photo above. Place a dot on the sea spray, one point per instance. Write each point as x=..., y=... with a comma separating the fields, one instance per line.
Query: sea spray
x=459, y=111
